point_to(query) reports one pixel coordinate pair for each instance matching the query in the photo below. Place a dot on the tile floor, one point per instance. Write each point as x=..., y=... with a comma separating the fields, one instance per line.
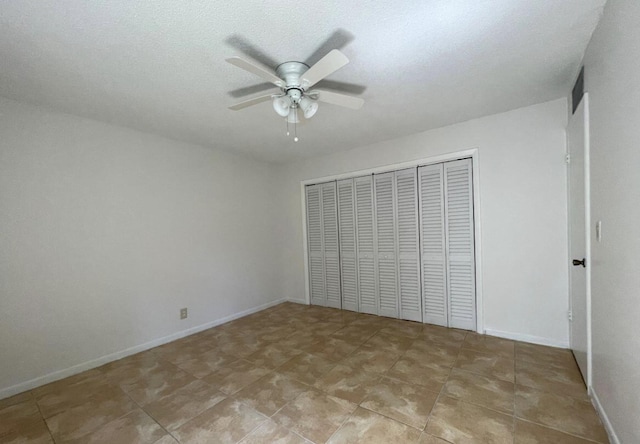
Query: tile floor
x=296, y=374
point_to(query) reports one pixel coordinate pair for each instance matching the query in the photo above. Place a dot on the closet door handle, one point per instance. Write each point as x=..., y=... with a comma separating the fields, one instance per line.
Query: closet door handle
x=582, y=262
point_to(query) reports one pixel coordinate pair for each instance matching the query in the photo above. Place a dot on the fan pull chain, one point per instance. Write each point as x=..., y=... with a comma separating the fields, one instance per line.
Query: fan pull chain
x=295, y=125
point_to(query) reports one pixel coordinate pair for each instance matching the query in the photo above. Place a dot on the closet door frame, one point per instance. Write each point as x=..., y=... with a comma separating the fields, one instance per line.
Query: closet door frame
x=468, y=153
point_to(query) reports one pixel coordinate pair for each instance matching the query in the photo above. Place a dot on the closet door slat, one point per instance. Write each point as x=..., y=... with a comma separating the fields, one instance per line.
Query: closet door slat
x=347, y=231
x=408, y=248
x=433, y=245
x=331, y=244
x=316, y=249
x=460, y=244
x=366, y=263
x=385, y=222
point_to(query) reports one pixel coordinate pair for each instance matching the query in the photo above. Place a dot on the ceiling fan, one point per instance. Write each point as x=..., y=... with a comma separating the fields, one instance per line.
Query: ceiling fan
x=295, y=80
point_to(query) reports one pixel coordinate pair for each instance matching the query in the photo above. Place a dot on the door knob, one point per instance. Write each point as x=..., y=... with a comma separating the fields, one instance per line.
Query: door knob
x=582, y=262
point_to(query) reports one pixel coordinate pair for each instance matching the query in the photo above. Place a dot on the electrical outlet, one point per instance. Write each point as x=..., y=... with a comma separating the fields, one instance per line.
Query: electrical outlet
x=183, y=313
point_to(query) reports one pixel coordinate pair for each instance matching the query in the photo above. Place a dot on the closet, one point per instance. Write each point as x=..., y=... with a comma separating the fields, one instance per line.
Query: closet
x=397, y=244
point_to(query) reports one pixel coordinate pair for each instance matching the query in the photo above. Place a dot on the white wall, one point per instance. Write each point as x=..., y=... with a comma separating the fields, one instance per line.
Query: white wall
x=523, y=209
x=105, y=233
x=612, y=70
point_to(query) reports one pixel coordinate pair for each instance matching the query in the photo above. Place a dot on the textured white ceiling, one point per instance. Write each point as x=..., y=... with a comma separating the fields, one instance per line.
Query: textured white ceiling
x=158, y=66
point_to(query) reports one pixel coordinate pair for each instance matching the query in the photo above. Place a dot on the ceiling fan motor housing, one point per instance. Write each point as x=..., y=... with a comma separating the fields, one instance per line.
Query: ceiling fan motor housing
x=291, y=73
x=295, y=94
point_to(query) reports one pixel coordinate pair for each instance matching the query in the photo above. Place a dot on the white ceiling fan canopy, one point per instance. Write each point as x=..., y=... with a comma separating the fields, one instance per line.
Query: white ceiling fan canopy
x=291, y=73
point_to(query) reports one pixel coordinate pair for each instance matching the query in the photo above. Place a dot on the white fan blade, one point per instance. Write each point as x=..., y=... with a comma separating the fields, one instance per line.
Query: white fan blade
x=337, y=98
x=326, y=66
x=250, y=102
x=257, y=69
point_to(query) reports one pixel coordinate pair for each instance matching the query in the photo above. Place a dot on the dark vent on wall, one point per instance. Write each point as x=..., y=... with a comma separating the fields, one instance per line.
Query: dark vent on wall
x=578, y=91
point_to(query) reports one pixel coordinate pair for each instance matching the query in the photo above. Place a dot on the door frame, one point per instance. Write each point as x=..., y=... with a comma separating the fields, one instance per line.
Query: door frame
x=472, y=153
x=587, y=230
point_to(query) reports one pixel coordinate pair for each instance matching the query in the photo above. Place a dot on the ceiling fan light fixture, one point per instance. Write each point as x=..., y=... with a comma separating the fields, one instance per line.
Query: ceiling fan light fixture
x=292, y=117
x=282, y=105
x=309, y=107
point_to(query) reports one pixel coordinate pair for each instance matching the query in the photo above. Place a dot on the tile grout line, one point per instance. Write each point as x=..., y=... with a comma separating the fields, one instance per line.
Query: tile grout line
x=483, y=374
x=148, y=414
x=473, y=403
x=385, y=375
x=280, y=425
x=440, y=393
x=342, y=423
x=85, y=402
x=516, y=417
x=392, y=419
x=560, y=431
x=256, y=427
x=513, y=427
x=42, y=416
x=164, y=361
x=289, y=402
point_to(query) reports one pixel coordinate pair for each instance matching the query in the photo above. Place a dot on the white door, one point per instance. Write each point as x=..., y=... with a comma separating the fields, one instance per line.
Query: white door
x=365, y=243
x=347, y=230
x=385, y=223
x=330, y=243
x=408, y=245
x=577, y=145
x=434, y=262
x=459, y=236
x=316, y=249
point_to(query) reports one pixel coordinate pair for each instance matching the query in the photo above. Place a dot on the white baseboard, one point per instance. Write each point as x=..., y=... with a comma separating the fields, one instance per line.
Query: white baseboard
x=527, y=338
x=297, y=301
x=603, y=416
x=88, y=365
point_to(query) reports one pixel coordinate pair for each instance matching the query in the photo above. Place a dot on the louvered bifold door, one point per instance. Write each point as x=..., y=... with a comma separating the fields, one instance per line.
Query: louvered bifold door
x=408, y=245
x=367, y=282
x=385, y=222
x=347, y=231
x=314, y=236
x=432, y=244
x=460, y=244
x=330, y=243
